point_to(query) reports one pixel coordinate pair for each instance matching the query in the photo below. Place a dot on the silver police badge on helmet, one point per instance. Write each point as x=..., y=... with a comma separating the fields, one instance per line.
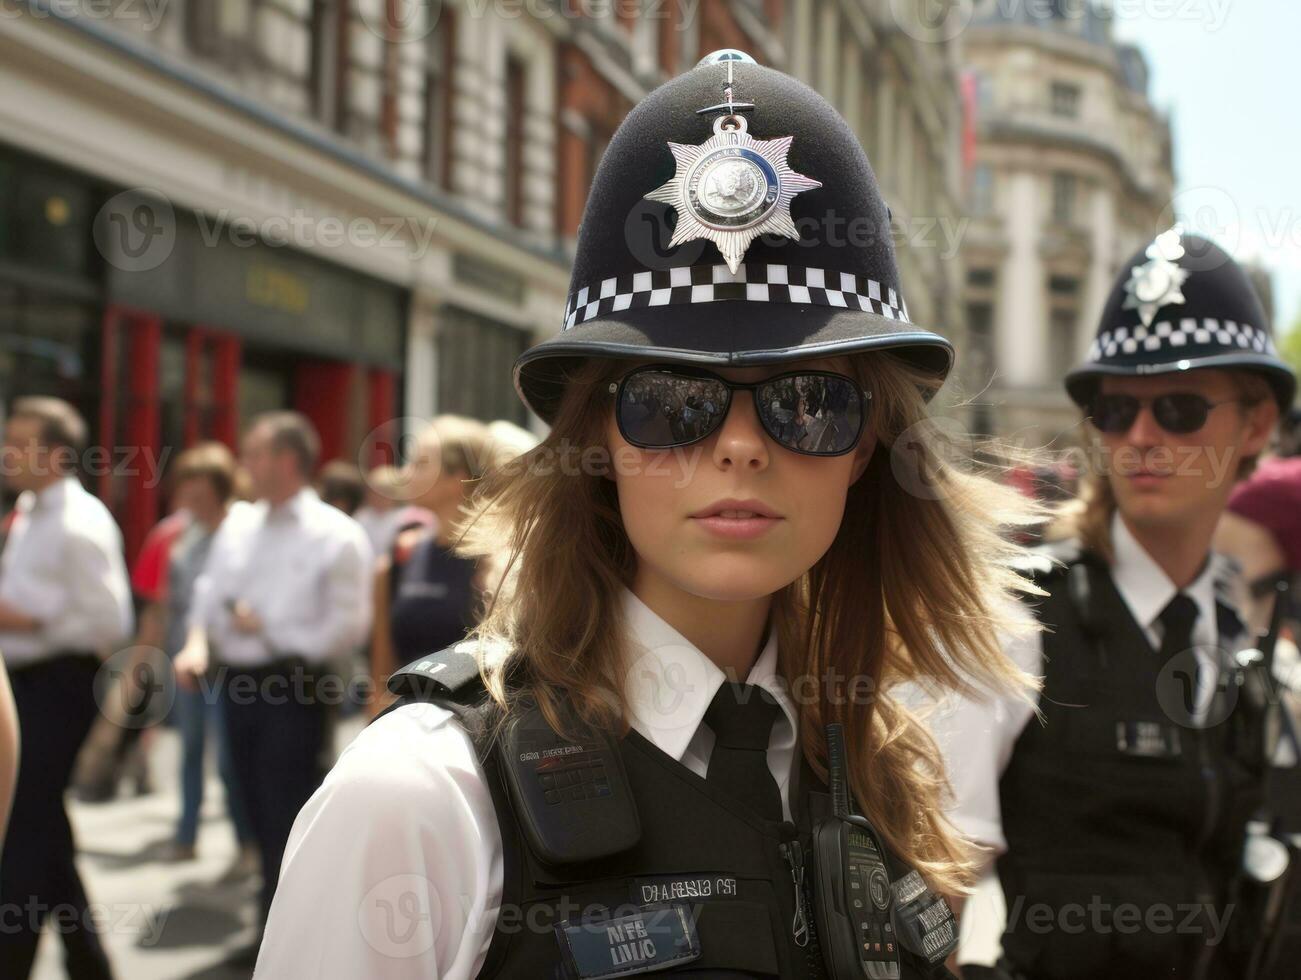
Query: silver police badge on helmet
x=1157, y=282
x=732, y=188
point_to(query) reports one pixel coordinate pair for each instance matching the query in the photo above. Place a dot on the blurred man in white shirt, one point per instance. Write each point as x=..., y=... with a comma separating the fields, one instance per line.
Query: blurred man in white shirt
x=64, y=602
x=285, y=590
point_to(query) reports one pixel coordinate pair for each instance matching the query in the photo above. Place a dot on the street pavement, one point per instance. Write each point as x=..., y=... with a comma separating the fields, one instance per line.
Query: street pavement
x=161, y=920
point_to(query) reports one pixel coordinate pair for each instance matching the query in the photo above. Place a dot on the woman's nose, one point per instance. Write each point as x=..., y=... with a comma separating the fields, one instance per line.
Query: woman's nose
x=741, y=438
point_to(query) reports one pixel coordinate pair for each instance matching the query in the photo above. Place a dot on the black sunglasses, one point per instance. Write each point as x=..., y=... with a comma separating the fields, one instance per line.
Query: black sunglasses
x=663, y=406
x=1179, y=412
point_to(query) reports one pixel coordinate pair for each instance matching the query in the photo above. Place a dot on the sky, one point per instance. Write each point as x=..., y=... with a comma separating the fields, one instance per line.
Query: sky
x=1229, y=72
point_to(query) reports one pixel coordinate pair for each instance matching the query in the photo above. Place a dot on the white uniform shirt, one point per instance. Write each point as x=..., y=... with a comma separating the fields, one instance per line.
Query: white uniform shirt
x=977, y=737
x=62, y=565
x=303, y=567
x=394, y=866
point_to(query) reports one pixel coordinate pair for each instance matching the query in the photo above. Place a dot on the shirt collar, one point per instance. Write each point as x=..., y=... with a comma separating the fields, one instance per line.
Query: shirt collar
x=1147, y=589
x=47, y=497
x=293, y=508
x=670, y=682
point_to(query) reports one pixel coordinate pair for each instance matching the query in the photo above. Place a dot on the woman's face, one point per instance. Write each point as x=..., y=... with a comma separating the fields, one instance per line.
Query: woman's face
x=685, y=510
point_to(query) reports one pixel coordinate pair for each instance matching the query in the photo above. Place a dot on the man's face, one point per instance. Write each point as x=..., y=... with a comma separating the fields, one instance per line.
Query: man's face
x=27, y=463
x=269, y=471
x=1163, y=478
x=665, y=498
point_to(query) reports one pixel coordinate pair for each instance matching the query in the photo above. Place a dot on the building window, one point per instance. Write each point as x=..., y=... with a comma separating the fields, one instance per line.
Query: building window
x=1063, y=198
x=980, y=278
x=982, y=190
x=221, y=29
x=436, y=130
x=980, y=358
x=475, y=358
x=1062, y=339
x=327, y=77
x=1065, y=100
x=1064, y=287
x=516, y=119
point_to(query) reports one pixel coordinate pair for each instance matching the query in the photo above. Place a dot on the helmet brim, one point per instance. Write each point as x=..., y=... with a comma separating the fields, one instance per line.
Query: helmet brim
x=727, y=334
x=1082, y=382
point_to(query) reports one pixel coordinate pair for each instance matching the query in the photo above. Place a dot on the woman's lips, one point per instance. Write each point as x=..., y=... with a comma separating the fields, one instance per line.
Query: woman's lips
x=737, y=525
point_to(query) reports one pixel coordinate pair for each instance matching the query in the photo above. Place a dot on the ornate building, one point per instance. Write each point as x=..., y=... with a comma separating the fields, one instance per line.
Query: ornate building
x=1072, y=173
x=365, y=209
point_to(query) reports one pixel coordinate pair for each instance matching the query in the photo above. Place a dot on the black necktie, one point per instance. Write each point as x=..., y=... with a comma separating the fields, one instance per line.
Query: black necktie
x=1177, y=620
x=742, y=716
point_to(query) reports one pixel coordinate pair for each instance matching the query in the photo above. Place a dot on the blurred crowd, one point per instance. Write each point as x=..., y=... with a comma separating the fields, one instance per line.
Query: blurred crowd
x=275, y=597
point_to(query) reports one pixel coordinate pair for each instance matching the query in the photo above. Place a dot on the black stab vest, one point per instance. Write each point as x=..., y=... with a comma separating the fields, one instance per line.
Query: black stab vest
x=1121, y=824
x=697, y=846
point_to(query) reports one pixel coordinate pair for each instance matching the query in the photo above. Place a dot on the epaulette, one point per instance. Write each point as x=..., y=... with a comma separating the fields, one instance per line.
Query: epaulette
x=449, y=678
x=451, y=674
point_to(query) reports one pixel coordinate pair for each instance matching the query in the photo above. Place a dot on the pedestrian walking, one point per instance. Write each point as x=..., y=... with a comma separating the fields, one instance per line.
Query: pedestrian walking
x=65, y=603
x=204, y=480
x=285, y=588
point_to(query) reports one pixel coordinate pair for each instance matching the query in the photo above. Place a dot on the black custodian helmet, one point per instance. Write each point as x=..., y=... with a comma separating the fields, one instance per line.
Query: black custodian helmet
x=1182, y=303
x=780, y=246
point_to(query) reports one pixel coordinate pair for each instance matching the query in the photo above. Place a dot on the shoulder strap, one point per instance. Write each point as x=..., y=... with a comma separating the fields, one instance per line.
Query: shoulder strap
x=449, y=678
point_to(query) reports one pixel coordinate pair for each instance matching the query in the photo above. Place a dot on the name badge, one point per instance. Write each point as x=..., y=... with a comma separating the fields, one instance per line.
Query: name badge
x=641, y=941
x=1149, y=739
x=682, y=887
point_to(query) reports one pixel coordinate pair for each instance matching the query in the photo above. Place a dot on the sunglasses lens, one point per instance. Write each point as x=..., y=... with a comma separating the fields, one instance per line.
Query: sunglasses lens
x=818, y=414
x=1180, y=412
x=659, y=409
x=1114, y=413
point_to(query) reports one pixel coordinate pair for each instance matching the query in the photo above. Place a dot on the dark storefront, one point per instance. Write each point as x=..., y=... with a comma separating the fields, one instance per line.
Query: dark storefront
x=164, y=328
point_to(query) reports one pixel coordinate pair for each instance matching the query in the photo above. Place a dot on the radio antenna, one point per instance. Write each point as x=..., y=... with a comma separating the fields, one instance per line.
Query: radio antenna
x=836, y=769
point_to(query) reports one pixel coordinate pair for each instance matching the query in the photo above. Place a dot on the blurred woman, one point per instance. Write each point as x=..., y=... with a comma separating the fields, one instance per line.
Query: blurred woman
x=426, y=597
x=205, y=481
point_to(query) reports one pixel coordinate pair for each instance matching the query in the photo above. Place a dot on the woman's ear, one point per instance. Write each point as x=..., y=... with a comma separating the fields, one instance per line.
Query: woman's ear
x=863, y=456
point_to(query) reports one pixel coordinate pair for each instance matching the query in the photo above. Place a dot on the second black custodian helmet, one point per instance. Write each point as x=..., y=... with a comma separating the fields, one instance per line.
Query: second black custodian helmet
x=781, y=246
x=1182, y=303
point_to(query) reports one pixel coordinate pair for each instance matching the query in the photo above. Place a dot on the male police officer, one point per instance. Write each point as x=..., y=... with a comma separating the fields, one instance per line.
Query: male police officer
x=1120, y=815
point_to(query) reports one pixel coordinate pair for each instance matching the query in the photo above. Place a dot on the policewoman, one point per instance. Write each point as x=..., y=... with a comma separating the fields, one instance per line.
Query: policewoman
x=1120, y=815
x=626, y=769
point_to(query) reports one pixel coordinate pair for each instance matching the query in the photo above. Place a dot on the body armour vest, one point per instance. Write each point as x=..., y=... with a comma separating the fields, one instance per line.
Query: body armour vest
x=1124, y=826
x=706, y=888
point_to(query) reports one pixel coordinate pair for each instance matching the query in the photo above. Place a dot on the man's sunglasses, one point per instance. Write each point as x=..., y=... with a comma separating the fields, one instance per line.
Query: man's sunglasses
x=662, y=406
x=1179, y=412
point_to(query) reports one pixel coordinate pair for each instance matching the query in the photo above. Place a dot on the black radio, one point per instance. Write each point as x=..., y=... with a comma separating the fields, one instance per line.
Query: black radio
x=864, y=917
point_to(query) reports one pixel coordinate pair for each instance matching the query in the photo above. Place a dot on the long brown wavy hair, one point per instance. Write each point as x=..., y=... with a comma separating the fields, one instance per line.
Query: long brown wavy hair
x=913, y=589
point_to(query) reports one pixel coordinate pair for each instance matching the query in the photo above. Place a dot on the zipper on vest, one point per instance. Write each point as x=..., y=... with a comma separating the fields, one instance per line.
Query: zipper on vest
x=1205, y=894
x=793, y=852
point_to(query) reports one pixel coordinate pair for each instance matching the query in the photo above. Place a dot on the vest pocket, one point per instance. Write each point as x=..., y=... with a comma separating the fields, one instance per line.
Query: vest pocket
x=736, y=939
